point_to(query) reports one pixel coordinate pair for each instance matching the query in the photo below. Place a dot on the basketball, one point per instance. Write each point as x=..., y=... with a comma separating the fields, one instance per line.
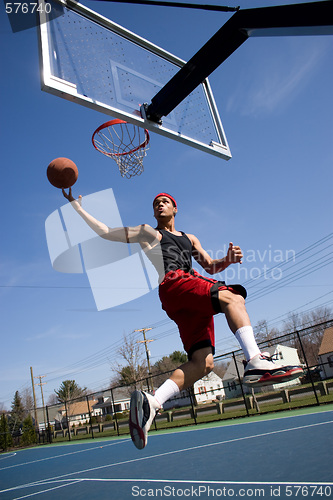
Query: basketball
x=62, y=173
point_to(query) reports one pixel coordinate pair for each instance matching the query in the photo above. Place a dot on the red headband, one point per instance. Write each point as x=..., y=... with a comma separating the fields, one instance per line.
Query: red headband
x=168, y=196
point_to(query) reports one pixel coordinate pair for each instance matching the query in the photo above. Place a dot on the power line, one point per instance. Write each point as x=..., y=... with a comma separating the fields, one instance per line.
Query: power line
x=293, y=258
x=295, y=276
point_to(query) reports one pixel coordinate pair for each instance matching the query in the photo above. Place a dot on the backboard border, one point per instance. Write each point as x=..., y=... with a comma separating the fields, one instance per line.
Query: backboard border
x=68, y=90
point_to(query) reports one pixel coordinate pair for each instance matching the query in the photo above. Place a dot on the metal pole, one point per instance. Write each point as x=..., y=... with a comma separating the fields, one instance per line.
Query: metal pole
x=91, y=425
x=241, y=385
x=308, y=18
x=48, y=426
x=114, y=412
x=307, y=366
x=191, y=391
x=68, y=428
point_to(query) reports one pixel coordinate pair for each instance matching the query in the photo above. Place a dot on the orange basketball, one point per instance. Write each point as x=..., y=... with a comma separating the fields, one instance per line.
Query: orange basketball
x=62, y=173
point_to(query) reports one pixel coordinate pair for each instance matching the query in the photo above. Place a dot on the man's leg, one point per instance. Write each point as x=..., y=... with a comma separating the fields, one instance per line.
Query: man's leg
x=144, y=406
x=260, y=368
x=233, y=306
x=201, y=364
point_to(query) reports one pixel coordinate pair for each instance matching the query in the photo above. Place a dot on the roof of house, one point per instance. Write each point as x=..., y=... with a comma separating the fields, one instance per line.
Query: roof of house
x=210, y=377
x=79, y=408
x=326, y=345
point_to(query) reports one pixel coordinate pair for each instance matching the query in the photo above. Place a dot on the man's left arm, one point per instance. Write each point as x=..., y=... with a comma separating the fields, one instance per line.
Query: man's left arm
x=213, y=266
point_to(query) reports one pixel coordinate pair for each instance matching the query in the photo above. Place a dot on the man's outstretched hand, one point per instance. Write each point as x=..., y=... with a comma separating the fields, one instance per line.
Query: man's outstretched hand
x=70, y=197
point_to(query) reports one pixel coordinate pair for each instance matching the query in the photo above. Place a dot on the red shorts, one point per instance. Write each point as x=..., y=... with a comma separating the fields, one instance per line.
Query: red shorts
x=191, y=300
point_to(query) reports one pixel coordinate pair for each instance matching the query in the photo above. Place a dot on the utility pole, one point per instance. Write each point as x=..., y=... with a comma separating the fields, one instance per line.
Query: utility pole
x=34, y=396
x=41, y=390
x=145, y=342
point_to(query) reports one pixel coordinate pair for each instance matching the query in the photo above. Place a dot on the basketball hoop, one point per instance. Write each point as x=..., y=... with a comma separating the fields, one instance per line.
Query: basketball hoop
x=125, y=143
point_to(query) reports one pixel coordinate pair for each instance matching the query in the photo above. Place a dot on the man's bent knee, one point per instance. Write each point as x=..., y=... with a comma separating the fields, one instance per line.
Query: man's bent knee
x=204, y=360
x=209, y=364
x=228, y=298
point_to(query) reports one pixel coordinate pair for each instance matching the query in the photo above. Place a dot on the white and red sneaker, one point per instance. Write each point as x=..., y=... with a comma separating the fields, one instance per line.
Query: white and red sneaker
x=143, y=409
x=262, y=370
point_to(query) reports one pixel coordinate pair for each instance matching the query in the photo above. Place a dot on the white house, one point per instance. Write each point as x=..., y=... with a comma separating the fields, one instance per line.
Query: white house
x=208, y=388
x=325, y=354
x=120, y=403
x=284, y=354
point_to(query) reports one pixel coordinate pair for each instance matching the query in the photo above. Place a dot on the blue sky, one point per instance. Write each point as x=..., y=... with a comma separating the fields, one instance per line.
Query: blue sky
x=273, y=198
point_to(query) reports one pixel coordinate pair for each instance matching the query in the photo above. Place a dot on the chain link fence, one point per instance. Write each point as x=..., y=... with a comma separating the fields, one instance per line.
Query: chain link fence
x=213, y=398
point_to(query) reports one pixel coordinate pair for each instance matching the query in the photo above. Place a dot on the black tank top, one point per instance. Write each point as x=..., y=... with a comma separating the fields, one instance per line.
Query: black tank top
x=176, y=251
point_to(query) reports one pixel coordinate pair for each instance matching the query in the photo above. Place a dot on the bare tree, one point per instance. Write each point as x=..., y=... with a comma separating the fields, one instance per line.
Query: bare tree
x=27, y=400
x=52, y=400
x=263, y=333
x=134, y=369
x=310, y=327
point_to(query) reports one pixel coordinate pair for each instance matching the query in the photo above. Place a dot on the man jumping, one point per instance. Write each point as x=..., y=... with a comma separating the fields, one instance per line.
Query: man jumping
x=191, y=301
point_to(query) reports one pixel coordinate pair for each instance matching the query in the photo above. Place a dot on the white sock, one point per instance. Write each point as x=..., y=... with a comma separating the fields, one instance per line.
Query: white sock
x=247, y=342
x=168, y=389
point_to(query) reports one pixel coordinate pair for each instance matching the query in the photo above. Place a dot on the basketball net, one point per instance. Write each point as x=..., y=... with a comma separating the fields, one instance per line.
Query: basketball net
x=125, y=143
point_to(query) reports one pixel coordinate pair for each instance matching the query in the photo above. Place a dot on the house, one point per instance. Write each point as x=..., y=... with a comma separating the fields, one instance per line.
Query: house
x=231, y=385
x=325, y=354
x=280, y=353
x=120, y=403
x=78, y=412
x=49, y=416
x=208, y=388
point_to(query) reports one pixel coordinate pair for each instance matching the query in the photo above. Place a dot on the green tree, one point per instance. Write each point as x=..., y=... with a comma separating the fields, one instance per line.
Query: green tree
x=178, y=357
x=129, y=375
x=167, y=364
x=17, y=414
x=5, y=437
x=28, y=431
x=171, y=362
x=68, y=390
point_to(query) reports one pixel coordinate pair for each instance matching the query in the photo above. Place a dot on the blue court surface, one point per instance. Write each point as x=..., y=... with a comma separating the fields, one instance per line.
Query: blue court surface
x=287, y=456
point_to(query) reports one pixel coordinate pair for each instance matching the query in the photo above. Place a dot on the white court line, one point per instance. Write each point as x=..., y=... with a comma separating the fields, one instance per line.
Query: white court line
x=62, y=455
x=183, y=481
x=124, y=440
x=225, y=423
x=179, y=481
x=73, y=481
x=174, y=452
x=9, y=455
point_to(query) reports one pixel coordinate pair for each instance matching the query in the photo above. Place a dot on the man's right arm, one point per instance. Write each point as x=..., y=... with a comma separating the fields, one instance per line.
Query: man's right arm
x=137, y=234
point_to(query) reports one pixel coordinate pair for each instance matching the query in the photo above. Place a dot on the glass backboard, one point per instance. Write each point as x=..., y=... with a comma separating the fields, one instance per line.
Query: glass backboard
x=92, y=61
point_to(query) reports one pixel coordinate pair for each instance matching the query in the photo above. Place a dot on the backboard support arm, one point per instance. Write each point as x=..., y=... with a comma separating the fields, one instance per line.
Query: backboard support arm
x=315, y=18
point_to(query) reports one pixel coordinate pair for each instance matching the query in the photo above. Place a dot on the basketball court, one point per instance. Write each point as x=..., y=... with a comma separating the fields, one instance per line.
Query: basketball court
x=153, y=91
x=282, y=456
